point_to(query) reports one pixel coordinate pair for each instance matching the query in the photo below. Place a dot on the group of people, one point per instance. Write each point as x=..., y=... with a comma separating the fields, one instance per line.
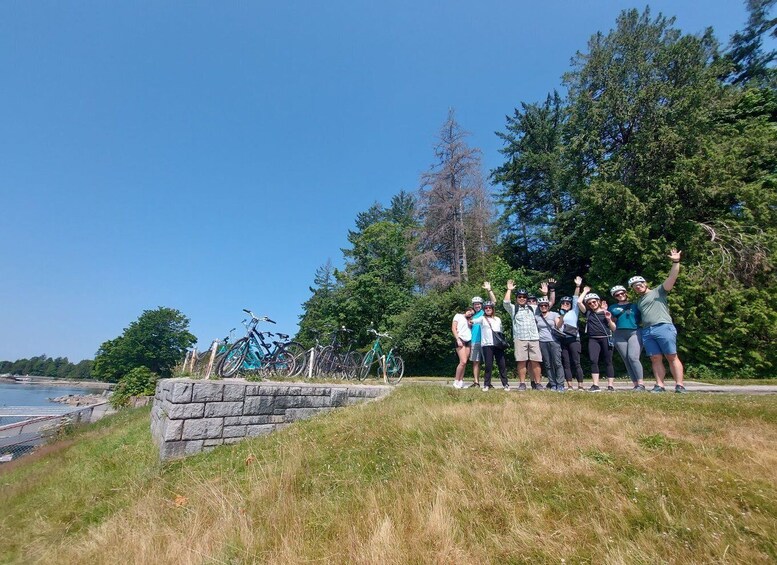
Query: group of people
x=544, y=337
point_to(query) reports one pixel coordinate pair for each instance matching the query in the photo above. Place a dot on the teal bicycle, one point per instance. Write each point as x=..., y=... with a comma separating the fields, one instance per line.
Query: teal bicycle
x=390, y=362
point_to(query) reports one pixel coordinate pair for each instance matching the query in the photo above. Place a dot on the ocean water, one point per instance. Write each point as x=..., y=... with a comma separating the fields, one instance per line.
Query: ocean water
x=25, y=394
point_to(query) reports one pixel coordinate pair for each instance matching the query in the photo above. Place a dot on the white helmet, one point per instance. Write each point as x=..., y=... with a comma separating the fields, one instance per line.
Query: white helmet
x=636, y=279
x=590, y=296
x=476, y=299
x=543, y=300
x=617, y=288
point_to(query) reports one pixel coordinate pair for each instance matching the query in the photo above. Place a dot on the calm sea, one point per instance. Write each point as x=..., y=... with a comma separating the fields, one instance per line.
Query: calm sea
x=23, y=394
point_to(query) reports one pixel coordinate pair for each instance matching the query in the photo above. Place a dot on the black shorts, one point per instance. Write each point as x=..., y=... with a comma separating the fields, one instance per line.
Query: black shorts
x=456, y=344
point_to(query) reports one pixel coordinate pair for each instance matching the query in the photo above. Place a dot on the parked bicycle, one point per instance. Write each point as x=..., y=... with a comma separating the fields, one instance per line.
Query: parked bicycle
x=202, y=360
x=253, y=353
x=391, y=361
x=338, y=360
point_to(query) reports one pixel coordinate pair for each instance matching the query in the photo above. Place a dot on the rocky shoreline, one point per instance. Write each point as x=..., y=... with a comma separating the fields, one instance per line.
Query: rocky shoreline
x=81, y=399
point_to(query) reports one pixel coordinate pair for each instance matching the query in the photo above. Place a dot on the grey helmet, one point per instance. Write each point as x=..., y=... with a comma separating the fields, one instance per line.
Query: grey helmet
x=590, y=296
x=636, y=279
x=617, y=288
x=476, y=300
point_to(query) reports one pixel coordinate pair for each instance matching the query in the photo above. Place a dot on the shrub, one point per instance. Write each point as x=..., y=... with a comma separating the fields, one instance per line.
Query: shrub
x=140, y=381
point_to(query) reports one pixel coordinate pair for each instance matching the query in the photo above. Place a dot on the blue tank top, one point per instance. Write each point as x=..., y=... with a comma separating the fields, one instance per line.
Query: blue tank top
x=476, y=327
x=626, y=316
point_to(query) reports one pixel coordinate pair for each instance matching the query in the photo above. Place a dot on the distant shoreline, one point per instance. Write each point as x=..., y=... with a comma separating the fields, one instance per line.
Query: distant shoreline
x=48, y=381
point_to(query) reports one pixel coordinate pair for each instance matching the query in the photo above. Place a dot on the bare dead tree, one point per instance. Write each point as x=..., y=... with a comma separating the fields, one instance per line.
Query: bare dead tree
x=453, y=213
x=736, y=253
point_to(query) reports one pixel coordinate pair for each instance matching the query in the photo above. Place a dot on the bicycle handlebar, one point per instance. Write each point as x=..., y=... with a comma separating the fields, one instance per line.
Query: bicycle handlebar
x=386, y=335
x=254, y=317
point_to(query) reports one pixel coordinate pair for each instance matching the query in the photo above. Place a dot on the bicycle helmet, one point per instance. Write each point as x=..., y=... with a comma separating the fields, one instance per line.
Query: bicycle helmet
x=532, y=297
x=542, y=301
x=488, y=304
x=522, y=292
x=636, y=279
x=590, y=296
x=476, y=300
x=566, y=299
x=617, y=288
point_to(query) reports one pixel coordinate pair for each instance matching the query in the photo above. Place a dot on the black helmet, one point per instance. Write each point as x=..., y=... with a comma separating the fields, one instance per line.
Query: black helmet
x=522, y=292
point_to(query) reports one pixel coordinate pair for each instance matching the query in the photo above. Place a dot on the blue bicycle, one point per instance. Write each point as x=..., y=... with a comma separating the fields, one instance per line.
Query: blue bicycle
x=253, y=353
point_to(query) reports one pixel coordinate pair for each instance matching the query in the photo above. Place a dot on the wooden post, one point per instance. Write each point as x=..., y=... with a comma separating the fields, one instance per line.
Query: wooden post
x=193, y=357
x=185, y=361
x=312, y=362
x=383, y=366
x=213, y=349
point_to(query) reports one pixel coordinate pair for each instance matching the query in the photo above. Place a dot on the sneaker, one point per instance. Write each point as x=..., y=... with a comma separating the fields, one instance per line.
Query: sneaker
x=610, y=389
x=580, y=388
x=476, y=385
x=638, y=388
x=457, y=384
x=560, y=388
x=594, y=388
x=484, y=389
x=680, y=389
x=657, y=388
x=549, y=386
x=522, y=386
x=507, y=387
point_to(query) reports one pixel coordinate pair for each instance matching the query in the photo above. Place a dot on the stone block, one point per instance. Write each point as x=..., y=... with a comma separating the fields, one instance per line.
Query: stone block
x=257, y=405
x=193, y=447
x=216, y=409
x=259, y=429
x=234, y=392
x=204, y=428
x=172, y=449
x=185, y=411
x=265, y=419
x=319, y=391
x=234, y=431
x=212, y=442
x=230, y=440
x=293, y=414
x=172, y=431
x=181, y=392
x=233, y=420
x=294, y=391
x=338, y=397
x=253, y=390
x=208, y=392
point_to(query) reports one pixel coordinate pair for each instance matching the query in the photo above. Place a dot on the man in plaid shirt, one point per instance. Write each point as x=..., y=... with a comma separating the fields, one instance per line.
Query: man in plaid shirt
x=526, y=336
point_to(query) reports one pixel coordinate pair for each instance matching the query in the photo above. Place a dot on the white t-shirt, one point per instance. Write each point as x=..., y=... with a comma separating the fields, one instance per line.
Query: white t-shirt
x=487, y=327
x=462, y=327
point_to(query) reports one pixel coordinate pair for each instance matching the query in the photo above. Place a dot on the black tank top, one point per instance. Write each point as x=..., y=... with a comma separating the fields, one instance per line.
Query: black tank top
x=596, y=325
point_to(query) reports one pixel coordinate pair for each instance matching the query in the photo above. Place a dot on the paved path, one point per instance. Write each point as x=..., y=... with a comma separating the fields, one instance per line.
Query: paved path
x=620, y=385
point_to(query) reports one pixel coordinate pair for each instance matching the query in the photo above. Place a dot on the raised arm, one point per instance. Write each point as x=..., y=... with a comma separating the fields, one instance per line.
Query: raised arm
x=510, y=289
x=674, y=255
x=487, y=286
x=580, y=297
x=578, y=282
x=549, y=286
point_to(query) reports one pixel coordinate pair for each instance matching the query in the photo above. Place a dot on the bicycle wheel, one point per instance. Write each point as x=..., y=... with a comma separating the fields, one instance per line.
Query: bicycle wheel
x=233, y=359
x=395, y=368
x=366, y=366
x=353, y=364
x=283, y=364
x=325, y=363
x=299, y=353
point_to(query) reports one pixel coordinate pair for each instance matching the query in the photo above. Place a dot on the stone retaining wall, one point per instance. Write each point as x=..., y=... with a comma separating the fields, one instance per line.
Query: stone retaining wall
x=190, y=416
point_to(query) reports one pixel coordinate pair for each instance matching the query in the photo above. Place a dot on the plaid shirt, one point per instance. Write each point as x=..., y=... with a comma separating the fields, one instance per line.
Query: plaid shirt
x=524, y=323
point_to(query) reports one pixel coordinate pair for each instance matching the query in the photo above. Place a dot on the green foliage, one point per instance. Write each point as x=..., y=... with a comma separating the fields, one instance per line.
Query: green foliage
x=140, y=381
x=43, y=366
x=157, y=340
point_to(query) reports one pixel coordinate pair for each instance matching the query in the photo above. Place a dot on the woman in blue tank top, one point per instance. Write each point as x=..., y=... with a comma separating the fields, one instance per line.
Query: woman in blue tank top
x=626, y=336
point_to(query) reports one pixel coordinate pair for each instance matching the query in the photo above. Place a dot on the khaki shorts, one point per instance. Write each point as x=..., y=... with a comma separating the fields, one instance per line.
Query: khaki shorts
x=527, y=350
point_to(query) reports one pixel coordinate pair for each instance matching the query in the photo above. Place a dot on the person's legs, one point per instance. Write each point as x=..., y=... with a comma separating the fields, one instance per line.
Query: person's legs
x=594, y=351
x=547, y=361
x=632, y=359
x=521, y=356
x=621, y=342
x=609, y=368
x=476, y=356
x=557, y=369
x=651, y=341
x=574, y=356
x=676, y=368
x=534, y=355
x=463, y=353
x=499, y=354
x=488, y=353
x=566, y=364
x=659, y=371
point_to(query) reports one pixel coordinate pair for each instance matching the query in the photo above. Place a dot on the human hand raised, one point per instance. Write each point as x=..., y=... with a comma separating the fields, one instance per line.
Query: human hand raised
x=674, y=255
x=511, y=284
x=487, y=285
x=578, y=280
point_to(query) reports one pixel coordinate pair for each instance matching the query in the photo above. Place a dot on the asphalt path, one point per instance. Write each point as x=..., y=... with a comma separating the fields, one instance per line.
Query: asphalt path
x=621, y=386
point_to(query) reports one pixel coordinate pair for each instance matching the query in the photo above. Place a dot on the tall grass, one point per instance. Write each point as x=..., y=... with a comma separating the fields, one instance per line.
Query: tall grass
x=425, y=475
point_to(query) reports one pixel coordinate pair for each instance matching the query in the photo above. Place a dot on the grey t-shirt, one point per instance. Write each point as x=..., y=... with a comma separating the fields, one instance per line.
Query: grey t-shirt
x=654, y=308
x=542, y=327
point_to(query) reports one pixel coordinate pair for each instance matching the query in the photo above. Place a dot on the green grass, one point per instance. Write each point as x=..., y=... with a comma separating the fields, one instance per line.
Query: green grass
x=427, y=474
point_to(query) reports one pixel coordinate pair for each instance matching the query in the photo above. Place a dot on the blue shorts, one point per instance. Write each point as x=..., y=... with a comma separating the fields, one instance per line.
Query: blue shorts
x=660, y=339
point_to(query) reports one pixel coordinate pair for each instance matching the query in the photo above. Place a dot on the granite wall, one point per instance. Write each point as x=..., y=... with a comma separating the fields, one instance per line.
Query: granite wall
x=189, y=416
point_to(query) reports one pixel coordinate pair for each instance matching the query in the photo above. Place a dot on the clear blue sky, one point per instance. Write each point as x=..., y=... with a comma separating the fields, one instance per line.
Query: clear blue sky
x=209, y=156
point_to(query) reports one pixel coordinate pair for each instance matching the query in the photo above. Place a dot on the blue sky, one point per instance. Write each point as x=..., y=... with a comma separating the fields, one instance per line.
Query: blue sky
x=209, y=156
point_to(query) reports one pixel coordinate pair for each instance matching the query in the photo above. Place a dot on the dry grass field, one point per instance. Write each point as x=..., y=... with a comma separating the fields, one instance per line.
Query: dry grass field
x=427, y=475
